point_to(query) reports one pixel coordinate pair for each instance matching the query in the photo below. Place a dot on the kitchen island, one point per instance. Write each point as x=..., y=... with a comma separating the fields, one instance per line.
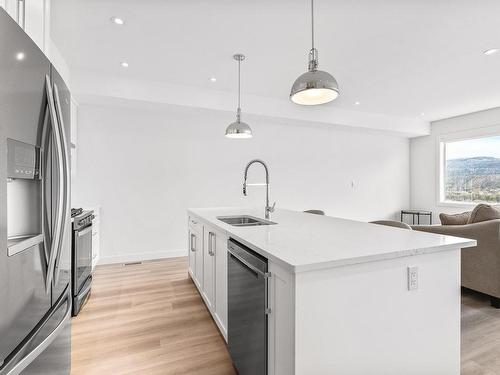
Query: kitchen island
x=346, y=297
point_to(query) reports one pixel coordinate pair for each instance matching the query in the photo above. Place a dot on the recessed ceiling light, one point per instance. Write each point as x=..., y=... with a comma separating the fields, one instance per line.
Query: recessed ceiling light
x=422, y=114
x=357, y=103
x=124, y=64
x=117, y=20
x=20, y=56
x=213, y=79
x=491, y=51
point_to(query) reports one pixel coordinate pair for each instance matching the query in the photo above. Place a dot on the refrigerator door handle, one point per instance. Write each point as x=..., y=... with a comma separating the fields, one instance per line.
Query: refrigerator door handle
x=56, y=239
x=65, y=178
x=43, y=168
x=30, y=357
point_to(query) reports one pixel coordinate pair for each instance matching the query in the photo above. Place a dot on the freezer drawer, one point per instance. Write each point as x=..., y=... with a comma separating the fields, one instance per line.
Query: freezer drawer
x=56, y=359
x=23, y=297
x=47, y=346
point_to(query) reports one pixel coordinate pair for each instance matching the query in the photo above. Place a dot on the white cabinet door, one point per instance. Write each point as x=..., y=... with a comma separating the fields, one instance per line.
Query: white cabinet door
x=32, y=16
x=11, y=7
x=209, y=267
x=220, y=247
x=196, y=256
x=96, y=235
x=34, y=20
x=195, y=245
x=198, y=251
x=192, y=253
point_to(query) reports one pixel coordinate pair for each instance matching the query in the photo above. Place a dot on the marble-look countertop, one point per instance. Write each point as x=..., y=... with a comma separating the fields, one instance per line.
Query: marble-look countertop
x=304, y=242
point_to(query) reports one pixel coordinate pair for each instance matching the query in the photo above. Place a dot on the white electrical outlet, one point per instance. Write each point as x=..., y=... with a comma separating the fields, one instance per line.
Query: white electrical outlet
x=412, y=278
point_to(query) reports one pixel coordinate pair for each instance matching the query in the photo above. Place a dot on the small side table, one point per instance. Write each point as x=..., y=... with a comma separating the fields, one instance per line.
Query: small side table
x=417, y=214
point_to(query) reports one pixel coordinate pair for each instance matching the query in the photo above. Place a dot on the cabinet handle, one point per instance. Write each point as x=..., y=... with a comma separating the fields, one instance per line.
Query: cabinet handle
x=210, y=243
x=214, y=247
x=211, y=237
x=193, y=241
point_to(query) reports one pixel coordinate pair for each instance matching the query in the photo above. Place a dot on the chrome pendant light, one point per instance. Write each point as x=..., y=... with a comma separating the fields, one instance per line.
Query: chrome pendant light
x=315, y=86
x=239, y=129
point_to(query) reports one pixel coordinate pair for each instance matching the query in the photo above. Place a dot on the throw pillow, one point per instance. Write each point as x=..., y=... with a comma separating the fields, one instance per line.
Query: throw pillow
x=455, y=219
x=483, y=212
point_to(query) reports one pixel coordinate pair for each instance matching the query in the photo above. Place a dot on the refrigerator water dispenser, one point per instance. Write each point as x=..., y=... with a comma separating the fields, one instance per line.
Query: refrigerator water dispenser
x=24, y=197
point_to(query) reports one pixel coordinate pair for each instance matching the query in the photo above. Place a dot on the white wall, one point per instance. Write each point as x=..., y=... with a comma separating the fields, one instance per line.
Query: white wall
x=145, y=164
x=424, y=156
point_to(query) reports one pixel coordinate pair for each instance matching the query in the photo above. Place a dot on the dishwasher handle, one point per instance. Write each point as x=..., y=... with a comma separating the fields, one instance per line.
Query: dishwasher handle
x=246, y=264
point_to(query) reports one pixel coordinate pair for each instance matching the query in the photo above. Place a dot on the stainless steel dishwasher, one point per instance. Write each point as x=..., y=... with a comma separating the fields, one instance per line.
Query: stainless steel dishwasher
x=247, y=309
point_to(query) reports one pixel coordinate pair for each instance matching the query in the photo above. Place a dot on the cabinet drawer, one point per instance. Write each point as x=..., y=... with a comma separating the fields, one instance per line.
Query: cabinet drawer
x=195, y=224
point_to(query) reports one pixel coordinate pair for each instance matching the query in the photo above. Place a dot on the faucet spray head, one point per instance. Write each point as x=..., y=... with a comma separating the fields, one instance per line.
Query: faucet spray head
x=245, y=188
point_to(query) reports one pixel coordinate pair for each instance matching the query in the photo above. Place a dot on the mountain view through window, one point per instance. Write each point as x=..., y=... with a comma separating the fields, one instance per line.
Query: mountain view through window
x=472, y=170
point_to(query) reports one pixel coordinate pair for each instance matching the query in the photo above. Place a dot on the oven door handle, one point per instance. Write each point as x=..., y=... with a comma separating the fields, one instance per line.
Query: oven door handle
x=84, y=232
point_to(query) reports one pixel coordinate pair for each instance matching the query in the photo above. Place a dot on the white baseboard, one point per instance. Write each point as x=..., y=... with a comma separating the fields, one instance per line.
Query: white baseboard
x=137, y=257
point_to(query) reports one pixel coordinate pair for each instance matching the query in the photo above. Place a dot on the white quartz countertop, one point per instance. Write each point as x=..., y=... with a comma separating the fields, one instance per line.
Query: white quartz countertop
x=303, y=242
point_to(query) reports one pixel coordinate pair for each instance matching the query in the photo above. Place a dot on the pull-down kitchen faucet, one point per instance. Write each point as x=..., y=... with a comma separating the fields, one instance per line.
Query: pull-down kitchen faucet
x=269, y=209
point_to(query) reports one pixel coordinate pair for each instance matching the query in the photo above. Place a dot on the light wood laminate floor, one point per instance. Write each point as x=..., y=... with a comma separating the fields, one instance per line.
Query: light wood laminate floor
x=149, y=319
x=480, y=335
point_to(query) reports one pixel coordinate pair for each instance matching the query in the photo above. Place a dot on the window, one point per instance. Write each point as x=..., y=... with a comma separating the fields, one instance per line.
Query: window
x=471, y=170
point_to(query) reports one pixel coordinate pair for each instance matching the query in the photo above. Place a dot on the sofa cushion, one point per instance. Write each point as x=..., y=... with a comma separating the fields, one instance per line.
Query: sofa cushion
x=483, y=212
x=455, y=219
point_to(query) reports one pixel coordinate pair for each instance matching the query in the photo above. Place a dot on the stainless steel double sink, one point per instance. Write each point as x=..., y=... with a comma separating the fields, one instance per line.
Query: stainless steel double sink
x=244, y=221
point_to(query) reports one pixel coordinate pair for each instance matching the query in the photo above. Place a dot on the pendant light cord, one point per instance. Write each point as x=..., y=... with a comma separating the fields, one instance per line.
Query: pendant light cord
x=238, y=113
x=312, y=24
x=313, y=53
x=239, y=83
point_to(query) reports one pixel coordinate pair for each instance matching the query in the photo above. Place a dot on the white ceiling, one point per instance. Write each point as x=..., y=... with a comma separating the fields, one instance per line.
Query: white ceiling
x=396, y=57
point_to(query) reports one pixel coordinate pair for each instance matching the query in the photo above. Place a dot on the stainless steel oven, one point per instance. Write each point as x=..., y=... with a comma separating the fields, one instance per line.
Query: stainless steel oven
x=81, y=258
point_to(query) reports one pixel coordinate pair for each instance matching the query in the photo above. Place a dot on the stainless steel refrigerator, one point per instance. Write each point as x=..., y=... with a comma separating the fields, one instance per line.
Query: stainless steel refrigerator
x=35, y=237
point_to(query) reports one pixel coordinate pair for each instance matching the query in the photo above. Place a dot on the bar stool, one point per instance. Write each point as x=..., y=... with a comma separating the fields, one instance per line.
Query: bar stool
x=391, y=223
x=315, y=212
